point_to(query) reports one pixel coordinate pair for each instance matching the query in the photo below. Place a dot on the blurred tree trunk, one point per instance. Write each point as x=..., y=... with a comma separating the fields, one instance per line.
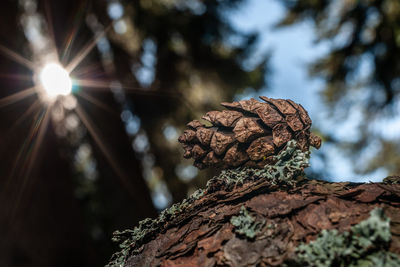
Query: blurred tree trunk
x=261, y=224
x=154, y=105
x=40, y=221
x=120, y=171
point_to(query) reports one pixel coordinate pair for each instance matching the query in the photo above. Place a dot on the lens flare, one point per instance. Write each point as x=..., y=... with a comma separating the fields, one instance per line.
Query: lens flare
x=55, y=80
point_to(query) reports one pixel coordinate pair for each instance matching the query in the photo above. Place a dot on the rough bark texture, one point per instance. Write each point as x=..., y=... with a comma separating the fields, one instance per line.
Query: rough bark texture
x=249, y=133
x=260, y=223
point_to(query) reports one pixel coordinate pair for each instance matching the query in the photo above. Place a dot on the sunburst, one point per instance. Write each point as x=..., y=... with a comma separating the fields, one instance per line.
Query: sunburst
x=53, y=83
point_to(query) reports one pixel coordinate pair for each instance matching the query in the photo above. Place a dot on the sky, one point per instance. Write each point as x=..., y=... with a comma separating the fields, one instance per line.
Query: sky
x=292, y=49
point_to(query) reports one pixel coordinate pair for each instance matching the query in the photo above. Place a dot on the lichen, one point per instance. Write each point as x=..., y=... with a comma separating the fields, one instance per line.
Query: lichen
x=290, y=163
x=129, y=238
x=392, y=180
x=245, y=224
x=364, y=245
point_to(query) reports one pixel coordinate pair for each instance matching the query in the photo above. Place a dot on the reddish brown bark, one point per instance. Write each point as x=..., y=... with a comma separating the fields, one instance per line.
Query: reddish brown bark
x=290, y=215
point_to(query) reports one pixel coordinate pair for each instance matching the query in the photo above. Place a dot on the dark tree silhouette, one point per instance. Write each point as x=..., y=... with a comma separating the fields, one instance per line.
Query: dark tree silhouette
x=46, y=220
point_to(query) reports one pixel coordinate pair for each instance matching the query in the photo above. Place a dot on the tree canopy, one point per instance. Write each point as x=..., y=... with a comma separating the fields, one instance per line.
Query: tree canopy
x=360, y=71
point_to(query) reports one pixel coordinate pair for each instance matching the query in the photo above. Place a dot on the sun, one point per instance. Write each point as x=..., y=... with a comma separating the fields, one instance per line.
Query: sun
x=55, y=80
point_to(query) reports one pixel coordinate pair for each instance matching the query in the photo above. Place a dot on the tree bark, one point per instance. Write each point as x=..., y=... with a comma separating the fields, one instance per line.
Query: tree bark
x=283, y=216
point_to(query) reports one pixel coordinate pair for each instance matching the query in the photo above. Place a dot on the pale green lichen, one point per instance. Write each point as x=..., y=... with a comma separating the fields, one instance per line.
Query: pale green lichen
x=364, y=245
x=128, y=238
x=245, y=224
x=392, y=180
x=290, y=163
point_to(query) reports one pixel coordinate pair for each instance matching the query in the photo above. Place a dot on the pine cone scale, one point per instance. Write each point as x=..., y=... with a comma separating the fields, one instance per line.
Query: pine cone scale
x=302, y=112
x=198, y=152
x=224, y=118
x=204, y=135
x=235, y=157
x=269, y=115
x=246, y=129
x=260, y=148
x=315, y=141
x=194, y=124
x=220, y=142
x=281, y=134
x=282, y=105
x=294, y=122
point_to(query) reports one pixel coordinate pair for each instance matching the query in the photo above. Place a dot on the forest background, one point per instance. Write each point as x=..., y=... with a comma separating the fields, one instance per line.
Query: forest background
x=74, y=170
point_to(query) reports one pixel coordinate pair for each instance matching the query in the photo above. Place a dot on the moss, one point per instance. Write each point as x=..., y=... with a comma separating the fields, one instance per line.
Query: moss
x=290, y=163
x=364, y=245
x=245, y=224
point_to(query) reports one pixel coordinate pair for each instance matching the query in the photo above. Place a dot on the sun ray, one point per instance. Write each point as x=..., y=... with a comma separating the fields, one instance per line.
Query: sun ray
x=92, y=69
x=18, y=166
x=97, y=102
x=16, y=57
x=70, y=38
x=40, y=128
x=105, y=84
x=16, y=76
x=84, y=52
x=94, y=132
x=49, y=24
x=35, y=105
x=37, y=118
x=51, y=37
x=98, y=140
x=68, y=43
x=8, y=100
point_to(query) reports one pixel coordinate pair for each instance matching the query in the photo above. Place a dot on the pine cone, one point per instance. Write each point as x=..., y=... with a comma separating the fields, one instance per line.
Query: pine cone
x=249, y=133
